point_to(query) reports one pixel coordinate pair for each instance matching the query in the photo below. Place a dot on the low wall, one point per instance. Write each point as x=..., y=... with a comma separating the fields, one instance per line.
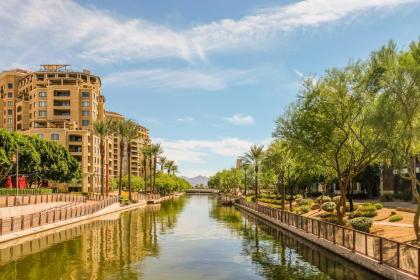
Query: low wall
x=11, y=200
x=28, y=209
x=388, y=258
x=22, y=222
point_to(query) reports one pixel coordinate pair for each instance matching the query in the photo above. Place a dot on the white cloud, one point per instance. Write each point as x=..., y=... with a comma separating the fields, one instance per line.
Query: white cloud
x=45, y=30
x=297, y=72
x=196, y=151
x=239, y=119
x=186, y=119
x=181, y=78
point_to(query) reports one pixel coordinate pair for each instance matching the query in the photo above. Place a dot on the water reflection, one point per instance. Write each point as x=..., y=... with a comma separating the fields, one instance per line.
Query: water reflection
x=277, y=254
x=103, y=249
x=188, y=238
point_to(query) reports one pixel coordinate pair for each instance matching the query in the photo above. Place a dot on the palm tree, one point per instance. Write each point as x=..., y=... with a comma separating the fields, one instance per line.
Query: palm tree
x=155, y=150
x=119, y=129
x=245, y=165
x=169, y=165
x=146, y=154
x=255, y=156
x=132, y=133
x=174, y=169
x=102, y=128
x=162, y=162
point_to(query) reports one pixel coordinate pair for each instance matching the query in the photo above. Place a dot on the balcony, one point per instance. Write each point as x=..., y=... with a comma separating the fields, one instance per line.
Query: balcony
x=62, y=103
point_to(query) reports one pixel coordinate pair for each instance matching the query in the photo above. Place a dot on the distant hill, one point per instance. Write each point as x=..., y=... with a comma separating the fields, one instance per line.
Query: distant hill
x=195, y=181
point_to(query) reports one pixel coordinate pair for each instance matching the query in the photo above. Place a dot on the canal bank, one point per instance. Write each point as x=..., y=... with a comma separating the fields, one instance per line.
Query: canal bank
x=115, y=208
x=192, y=237
x=359, y=259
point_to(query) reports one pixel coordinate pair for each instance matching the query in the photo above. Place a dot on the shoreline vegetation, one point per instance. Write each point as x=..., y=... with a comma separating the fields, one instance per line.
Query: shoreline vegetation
x=343, y=130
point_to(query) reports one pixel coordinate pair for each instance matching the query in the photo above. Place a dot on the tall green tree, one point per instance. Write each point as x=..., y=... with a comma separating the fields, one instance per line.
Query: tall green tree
x=162, y=162
x=132, y=133
x=255, y=156
x=102, y=128
x=155, y=150
x=119, y=129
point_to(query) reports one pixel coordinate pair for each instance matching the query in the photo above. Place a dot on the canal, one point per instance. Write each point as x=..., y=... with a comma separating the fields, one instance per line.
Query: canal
x=192, y=237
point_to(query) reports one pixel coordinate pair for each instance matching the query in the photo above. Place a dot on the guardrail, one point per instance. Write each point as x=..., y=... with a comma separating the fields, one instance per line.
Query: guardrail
x=12, y=200
x=17, y=223
x=400, y=256
x=146, y=197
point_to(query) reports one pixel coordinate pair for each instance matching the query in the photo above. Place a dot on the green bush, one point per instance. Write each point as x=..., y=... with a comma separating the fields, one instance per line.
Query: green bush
x=364, y=210
x=362, y=224
x=325, y=198
x=395, y=218
x=327, y=215
x=330, y=217
x=328, y=206
x=336, y=199
x=304, y=208
x=298, y=196
x=25, y=191
x=378, y=205
x=306, y=201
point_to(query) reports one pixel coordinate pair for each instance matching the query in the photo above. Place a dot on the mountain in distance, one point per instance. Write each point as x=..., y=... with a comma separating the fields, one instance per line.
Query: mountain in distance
x=196, y=181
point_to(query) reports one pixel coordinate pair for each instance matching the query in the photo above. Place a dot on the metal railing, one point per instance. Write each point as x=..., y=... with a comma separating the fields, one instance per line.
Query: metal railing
x=22, y=222
x=401, y=256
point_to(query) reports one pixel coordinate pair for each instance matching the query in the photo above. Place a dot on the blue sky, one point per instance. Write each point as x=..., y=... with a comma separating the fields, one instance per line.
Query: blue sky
x=208, y=78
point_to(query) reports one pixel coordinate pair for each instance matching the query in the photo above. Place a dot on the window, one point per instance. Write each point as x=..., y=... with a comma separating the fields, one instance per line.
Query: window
x=34, y=105
x=42, y=103
x=10, y=112
x=55, y=136
x=85, y=94
x=9, y=103
x=10, y=85
x=42, y=94
x=85, y=122
x=10, y=94
x=85, y=113
x=9, y=120
x=85, y=103
x=42, y=113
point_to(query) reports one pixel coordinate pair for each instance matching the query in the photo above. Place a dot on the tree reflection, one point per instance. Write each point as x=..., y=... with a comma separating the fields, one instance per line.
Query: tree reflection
x=278, y=255
x=102, y=249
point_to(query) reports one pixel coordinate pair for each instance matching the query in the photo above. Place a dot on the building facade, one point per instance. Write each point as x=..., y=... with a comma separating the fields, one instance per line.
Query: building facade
x=59, y=104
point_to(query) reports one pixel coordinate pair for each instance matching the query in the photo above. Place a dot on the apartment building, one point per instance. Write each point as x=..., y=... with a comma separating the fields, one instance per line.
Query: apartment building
x=59, y=104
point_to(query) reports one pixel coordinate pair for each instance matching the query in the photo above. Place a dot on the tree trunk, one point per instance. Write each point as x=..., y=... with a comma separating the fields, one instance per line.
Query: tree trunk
x=129, y=169
x=351, y=196
x=150, y=174
x=416, y=195
x=145, y=172
x=102, y=151
x=245, y=182
x=121, y=166
x=154, y=173
x=256, y=182
x=341, y=207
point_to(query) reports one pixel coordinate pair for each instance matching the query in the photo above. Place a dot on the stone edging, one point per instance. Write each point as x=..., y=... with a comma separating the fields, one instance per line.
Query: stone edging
x=356, y=258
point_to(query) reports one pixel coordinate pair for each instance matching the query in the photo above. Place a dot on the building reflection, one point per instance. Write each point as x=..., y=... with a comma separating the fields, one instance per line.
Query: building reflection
x=103, y=249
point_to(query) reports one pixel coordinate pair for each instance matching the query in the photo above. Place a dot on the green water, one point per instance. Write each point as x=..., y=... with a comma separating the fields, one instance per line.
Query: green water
x=189, y=238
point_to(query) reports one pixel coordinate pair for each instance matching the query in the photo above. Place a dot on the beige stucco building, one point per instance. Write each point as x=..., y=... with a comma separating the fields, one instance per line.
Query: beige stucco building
x=59, y=104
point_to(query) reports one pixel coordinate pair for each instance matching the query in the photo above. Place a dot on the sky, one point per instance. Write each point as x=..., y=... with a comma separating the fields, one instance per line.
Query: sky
x=207, y=78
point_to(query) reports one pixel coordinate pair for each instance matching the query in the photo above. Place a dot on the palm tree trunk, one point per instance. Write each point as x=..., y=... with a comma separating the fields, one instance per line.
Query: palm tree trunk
x=129, y=169
x=150, y=173
x=145, y=172
x=256, y=181
x=154, y=173
x=102, y=151
x=121, y=166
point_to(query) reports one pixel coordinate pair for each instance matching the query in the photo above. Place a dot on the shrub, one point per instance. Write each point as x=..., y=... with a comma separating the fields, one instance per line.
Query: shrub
x=378, y=205
x=328, y=206
x=364, y=210
x=305, y=202
x=336, y=199
x=315, y=207
x=304, y=208
x=327, y=215
x=298, y=196
x=324, y=198
x=362, y=224
x=395, y=218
